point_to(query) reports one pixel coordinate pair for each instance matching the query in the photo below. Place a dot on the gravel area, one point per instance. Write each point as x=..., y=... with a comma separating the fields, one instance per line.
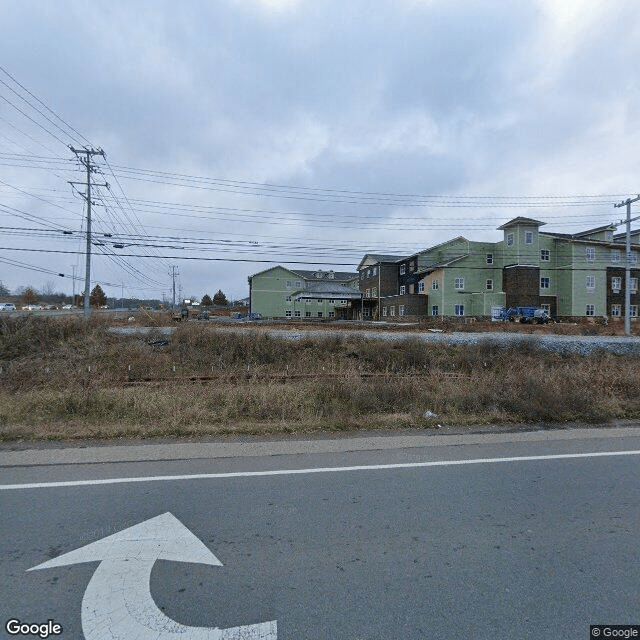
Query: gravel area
x=582, y=345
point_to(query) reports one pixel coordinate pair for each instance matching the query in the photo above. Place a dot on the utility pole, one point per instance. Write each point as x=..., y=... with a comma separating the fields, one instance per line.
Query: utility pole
x=73, y=299
x=173, y=275
x=85, y=155
x=627, y=280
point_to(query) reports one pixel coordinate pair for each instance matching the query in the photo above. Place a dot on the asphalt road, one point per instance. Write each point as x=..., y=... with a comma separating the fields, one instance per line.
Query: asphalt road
x=510, y=536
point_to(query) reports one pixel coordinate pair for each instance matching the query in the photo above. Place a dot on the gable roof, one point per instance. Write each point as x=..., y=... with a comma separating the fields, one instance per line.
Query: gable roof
x=520, y=220
x=377, y=258
x=588, y=232
x=325, y=275
x=439, y=265
x=278, y=266
x=452, y=241
x=318, y=274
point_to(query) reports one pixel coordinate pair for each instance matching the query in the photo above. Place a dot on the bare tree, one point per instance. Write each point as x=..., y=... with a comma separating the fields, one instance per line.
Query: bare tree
x=48, y=288
x=29, y=296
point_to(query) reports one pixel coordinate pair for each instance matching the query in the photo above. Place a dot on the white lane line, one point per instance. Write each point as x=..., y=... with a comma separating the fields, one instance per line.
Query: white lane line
x=291, y=472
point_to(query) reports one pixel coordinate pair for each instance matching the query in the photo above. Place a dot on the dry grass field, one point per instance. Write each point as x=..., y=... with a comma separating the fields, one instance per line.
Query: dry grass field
x=62, y=378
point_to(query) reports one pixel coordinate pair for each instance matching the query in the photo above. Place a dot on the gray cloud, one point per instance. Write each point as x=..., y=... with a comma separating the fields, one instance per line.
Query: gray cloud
x=409, y=97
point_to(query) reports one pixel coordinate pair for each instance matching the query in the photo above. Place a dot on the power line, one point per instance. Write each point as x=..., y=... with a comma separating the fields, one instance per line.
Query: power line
x=373, y=194
x=45, y=106
x=32, y=119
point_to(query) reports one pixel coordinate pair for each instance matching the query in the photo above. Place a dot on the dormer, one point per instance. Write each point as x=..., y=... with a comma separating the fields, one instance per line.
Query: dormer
x=521, y=231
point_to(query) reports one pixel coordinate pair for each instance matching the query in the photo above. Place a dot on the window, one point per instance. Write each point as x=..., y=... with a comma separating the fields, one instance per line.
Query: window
x=435, y=284
x=615, y=256
x=319, y=314
x=368, y=273
x=489, y=285
x=421, y=286
x=375, y=270
x=489, y=258
x=633, y=284
x=343, y=302
x=366, y=312
x=615, y=310
x=590, y=310
x=319, y=300
x=296, y=313
x=434, y=310
x=633, y=258
x=403, y=290
x=384, y=312
x=459, y=283
x=509, y=239
x=634, y=310
x=287, y=284
x=332, y=314
x=590, y=254
x=332, y=301
x=545, y=255
x=459, y=309
x=545, y=283
x=367, y=293
x=616, y=284
x=528, y=237
x=392, y=310
x=590, y=282
x=287, y=313
x=401, y=310
x=297, y=284
x=288, y=298
x=403, y=269
x=308, y=301
x=307, y=314
x=374, y=292
x=546, y=307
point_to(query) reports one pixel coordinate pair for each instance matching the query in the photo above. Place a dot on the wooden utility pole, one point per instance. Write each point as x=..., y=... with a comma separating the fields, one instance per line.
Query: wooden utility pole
x=85, y=155
x=173, y=275
x=627, y=280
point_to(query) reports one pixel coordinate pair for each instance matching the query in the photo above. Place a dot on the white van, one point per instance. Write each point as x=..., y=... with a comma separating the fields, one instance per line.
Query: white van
x=7, y=306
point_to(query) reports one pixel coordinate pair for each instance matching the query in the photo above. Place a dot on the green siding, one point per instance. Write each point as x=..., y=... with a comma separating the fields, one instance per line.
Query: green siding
x=270, y=289
x=567, y=264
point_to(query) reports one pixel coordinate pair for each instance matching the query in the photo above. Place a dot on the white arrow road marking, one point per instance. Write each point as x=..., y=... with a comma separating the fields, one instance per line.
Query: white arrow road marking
x=117, y=604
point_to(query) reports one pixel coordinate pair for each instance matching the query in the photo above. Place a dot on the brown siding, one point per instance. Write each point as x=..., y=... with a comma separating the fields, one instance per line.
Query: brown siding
x=618, y=298
x=388, y=279
x=521, y=286
x=415, y=305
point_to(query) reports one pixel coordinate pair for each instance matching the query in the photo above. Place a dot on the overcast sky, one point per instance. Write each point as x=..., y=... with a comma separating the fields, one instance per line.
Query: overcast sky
x=248, y=133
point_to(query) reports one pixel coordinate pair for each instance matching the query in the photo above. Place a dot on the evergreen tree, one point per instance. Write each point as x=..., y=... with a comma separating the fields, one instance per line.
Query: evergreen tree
x=97, y=297
x=220, y=299
x=206, y=300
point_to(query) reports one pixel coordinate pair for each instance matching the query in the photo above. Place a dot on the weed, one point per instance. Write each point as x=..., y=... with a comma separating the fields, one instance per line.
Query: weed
x=66, y=378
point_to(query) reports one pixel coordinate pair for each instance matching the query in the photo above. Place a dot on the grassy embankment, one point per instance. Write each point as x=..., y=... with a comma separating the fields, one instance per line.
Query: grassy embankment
x=62, y=378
